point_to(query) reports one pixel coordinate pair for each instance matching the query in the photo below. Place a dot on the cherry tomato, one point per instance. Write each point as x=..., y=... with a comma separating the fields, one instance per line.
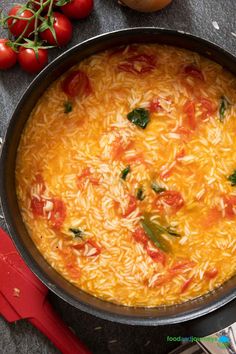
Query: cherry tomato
x=16, y=26
x=138, y=64
x=189, y=110
x=77, y=9
x=207, y=107
x=132, y=205
x=171, y=198
x=182, y=265
x=58, y=213
x=63, y=30
x=157, y=255
x=155, y=106
x=193, y=71
x=29, y=62
x=8, y=56
x=211, y=273
x=37, y=205
x=230, y=205
x=140, y=236
x=76, y=83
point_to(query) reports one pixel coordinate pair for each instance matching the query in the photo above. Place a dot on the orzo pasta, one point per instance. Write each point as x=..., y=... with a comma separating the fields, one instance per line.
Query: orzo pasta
x=126, y=175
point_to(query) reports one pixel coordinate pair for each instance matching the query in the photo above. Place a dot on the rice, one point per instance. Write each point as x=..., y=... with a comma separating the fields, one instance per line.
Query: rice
x=60, y=147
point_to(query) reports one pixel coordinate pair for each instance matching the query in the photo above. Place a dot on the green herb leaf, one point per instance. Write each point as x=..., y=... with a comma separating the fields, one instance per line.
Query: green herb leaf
x=76, y=232
x=157, y=189
x=155, y=232
x=224, y=105
x=232, y=178
x=68, y=107
x=139, y=117
x=140, y=195
x=125, y=172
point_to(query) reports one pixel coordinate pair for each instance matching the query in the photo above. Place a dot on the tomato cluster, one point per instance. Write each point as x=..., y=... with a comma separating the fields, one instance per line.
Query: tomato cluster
x=36, y=27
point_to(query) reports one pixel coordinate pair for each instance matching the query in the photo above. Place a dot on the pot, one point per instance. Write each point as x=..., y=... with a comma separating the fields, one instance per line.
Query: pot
x=129, y=315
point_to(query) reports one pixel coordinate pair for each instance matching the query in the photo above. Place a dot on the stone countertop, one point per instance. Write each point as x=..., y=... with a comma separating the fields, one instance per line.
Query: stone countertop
x=199, y=17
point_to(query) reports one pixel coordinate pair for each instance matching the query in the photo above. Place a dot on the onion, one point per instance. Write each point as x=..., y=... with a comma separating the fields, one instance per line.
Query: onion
x=146, y=5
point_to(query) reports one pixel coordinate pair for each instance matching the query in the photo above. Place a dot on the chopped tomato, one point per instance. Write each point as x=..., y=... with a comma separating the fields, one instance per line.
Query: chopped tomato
x=155, y=106
x=189, y=110
x=138, y=64
x=132, y=205
x=157, y=255
x=76, y=83
x=207, y=108
x=211, y=273
x=193, y=71
x=186, y=285
x=89, y=248
x=37, y=205
x=180, y=266
x=172, y=199
x=58, y=213
x=230, y=205
x=140, y=236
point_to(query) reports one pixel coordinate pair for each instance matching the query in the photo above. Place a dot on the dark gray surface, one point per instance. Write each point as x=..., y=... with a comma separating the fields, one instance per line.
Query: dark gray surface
x=193, y=16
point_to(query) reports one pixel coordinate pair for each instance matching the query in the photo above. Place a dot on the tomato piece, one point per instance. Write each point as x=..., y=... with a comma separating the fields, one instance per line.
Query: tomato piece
x=189, y=110
x=30, y=62
x=154, y=106
x=184, y=131
x=138, y=64
x=8, y=56
x=157, y=255
x=37, y=206
x=212, y=218
x=62, y=28
x=76, y=83
x=132, y=205
x=140, y=236
x=207, y=108
x=211, y=273
x=186, y=285
x=193, y=71
x=18, y=26
x=230, y=205
x=172, y=199
x=180, y=266
x=58, y=213
x=77, y=9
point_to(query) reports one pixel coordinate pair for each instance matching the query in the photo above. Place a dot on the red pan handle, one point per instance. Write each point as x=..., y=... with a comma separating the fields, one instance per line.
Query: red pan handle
x=50, y=324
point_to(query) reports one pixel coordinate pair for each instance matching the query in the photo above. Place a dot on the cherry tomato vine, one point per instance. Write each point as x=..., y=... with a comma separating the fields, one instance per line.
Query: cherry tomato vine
x=35, y=27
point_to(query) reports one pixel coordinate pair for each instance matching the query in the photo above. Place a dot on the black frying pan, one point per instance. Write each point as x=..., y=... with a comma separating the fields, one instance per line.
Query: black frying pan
x=137, y=316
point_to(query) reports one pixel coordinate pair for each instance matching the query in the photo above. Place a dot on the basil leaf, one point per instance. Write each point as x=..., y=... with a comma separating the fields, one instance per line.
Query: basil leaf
x=157, y=189
x=232, y=178
x=68, y=107
x=224, y=105
x=139, y=117
x=76, y=232
x=140, y=194
x=125, y=172
x=155, y=232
